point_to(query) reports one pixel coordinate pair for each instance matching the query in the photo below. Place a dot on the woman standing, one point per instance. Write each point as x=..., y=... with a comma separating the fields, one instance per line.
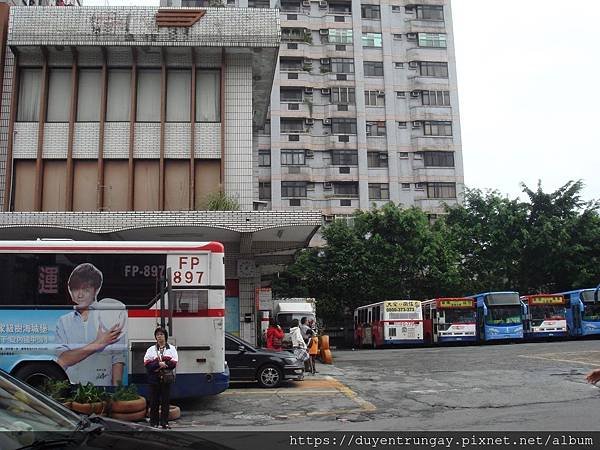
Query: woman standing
x=297, y=342
x=160, y=361
x=274, y=335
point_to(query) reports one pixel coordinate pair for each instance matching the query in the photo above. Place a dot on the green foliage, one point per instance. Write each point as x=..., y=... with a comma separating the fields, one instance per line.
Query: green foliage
x=549, y=243
x=215, y=4
x=125, y=393
x=219, y=201
x=59, y=390
x=89, y=393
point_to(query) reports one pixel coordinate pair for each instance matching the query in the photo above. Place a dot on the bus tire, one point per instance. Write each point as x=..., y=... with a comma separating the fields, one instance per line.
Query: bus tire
x=35, y=373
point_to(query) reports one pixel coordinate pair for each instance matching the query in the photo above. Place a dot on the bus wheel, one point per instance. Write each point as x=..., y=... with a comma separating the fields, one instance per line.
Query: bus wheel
x=269, y=376
x=35, y=374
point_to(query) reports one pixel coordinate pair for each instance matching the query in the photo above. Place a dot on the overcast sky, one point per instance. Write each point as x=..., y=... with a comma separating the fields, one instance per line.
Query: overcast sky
x=527, y=74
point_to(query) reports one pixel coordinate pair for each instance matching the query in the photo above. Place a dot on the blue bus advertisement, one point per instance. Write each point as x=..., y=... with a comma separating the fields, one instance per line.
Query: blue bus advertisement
x=499, y=316
x=583, y=312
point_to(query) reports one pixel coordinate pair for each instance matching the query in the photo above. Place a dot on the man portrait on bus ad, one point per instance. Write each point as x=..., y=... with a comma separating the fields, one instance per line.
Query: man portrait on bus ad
x=92, y=339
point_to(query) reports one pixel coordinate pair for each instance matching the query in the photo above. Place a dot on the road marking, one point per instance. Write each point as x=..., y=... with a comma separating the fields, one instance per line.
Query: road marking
x=558, y=357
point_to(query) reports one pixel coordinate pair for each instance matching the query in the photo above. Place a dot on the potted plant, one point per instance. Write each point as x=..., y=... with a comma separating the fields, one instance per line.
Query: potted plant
x=89, y=399
x=127, y=404
x=59, y=390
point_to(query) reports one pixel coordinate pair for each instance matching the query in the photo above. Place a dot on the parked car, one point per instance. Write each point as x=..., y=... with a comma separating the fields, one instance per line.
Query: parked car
x=29, y=419
x=267, y=367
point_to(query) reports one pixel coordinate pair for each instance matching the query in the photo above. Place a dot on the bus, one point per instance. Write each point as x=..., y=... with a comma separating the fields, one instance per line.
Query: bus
x=583, y=312
x=499, y=316
x=85, y=311
x=450, y=320
x=387, y=323
x=544, y=316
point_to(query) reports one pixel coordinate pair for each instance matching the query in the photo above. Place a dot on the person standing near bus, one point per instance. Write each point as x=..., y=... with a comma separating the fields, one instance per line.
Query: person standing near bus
x=274, y=335
x=88, y=349
x=298, y=343
x=160, y=361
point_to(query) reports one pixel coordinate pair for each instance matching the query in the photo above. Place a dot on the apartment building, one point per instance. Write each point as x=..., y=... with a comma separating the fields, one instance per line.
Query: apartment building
x=364, y=107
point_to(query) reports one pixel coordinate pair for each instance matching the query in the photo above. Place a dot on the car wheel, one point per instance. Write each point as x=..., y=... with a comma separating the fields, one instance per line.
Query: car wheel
x=35, y=374
x=269, y=376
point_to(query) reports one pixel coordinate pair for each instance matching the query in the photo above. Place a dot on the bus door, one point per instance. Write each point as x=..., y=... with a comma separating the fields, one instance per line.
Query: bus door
x=481, y=313
x=368, y=328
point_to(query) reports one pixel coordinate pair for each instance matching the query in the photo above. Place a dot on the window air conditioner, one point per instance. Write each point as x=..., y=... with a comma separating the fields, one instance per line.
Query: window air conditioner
x=308, y=90
x=415, y=94
x=324, y=32
x=328, y=219
x=327, y=185
x=383, y=156
x=326, y=121
x=306, y=3
x=309, y=121
x=323, y=4
x=411, y=36
x=325, y=61
x=413, y=64
x=416, y=124
x=309, y=154
x=380, y=93
x=325, y=91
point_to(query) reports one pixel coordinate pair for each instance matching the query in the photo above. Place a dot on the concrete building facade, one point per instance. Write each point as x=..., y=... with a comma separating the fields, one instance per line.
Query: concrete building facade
x=364, y=106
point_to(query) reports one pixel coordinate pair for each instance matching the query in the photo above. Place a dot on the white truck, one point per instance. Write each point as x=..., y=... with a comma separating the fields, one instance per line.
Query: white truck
x=287, y=309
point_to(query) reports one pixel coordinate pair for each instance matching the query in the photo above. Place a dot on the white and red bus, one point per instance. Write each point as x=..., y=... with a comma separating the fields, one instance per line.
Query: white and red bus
x=545, y=315
x=87, y=311
x=450, y=320
x=391, y=322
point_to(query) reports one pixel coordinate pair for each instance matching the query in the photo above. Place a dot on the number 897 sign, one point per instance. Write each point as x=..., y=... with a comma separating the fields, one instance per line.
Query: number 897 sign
x=188, y=270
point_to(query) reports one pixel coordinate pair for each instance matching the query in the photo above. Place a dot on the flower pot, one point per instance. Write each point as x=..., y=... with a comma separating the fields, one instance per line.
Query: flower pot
x=128, y=406
x=67, y=404
x=174, y=412
x=131, y=416
x=89, y=408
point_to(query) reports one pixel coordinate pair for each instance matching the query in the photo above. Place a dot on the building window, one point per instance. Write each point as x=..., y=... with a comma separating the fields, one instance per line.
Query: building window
x=88, y=95
x=401, y=94
x=433, y=69
x=293, y=158
x=374, y=98
x=292, y=125
x=405, y=186
x=264, y=158
x=179, y=91
x=345, y=189
x=379, y=191
x=344, y=157
x=377, y=159
x=399, y=65
x=395, y=8
x=435, y=98
x=293, y=189
x=397, y=37
x=434, y=40
x=376, y=128
x=290, y=64
x=342, y=65
x=401, y=124
x=341, y=7
x=339, y=36
x=148, y=95
x=373, y=68
x=441, y=190
x=119, y=95
x=343, y=126
x=419, y=186
x=290, y=95
x=342, y=95
x=208, y=96
x=59, y=96
x=264, y=190
x=438, y=159
x=437, y=128
x=370, y=12
x=293, y=34
x=403, y=155
x=430, y=12
x=30, y=84
x=371, y=40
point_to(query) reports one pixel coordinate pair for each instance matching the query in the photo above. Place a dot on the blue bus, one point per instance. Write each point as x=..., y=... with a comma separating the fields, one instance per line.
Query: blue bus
x=499, y=316
x=583, y=312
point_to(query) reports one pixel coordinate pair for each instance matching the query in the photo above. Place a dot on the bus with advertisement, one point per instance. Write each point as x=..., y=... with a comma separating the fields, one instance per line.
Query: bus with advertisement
x=544, y=316
x=85, y=311
x=583, y=312
x=499, y=316
x=391, y=322
x=450, y=320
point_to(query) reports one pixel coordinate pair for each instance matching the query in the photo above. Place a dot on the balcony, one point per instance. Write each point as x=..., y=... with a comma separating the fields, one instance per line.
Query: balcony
x=442, y=174
x=427, y=54
x=433, y=142
x=425, y=26
x=434, y=205
x=428, y=112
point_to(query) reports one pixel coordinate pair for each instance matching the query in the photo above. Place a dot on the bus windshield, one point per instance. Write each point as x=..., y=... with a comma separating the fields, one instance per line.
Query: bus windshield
x=591, y=312
x=504, y=315
x=459, y=316
x=546, y=312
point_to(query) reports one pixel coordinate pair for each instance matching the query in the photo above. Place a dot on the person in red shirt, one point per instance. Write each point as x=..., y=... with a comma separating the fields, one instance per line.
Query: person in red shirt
x=274, y=335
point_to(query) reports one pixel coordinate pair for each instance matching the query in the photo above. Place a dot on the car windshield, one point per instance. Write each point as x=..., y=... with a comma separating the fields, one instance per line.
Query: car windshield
x=22, y=409
x=459, y=316
x=504, y=315
x=591, y=312
x=546, y=312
